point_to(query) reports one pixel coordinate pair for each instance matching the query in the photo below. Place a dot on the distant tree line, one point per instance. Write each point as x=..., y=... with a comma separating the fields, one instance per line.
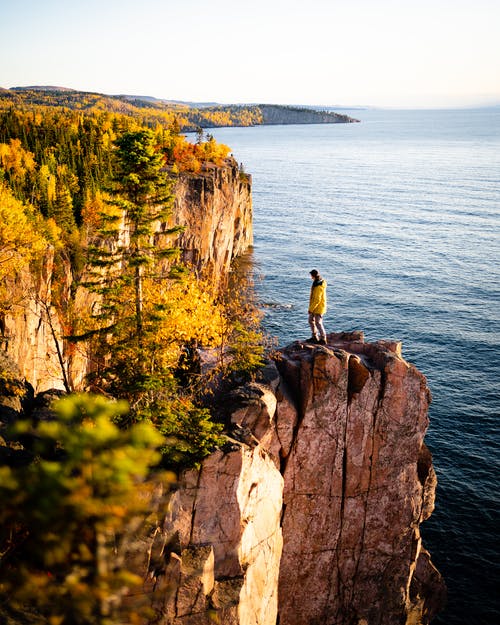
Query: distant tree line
x=146, y=112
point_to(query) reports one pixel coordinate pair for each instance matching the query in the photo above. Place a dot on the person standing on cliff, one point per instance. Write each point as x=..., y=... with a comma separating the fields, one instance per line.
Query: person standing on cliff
x=317, y=308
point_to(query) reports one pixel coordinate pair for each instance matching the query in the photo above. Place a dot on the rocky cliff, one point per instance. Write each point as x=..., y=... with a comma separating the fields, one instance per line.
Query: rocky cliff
x=311, y=515
x=215, y=206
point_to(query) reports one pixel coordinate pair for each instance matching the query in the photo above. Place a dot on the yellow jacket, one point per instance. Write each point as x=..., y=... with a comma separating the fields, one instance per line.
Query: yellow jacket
x=317, y=301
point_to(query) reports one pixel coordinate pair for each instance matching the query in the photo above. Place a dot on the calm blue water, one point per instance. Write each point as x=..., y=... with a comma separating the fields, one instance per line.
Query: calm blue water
x=400, y=214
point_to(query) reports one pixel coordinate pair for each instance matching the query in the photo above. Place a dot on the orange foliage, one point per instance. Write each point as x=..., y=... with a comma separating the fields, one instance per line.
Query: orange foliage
x=184, y=155
x=95, y=205
x=191, y=157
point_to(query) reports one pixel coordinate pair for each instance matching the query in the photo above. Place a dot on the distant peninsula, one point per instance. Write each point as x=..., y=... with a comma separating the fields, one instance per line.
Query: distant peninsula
x=189, y=116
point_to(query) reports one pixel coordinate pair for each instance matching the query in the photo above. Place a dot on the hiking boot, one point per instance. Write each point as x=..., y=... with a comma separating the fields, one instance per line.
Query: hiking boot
x=321, y=342
x=313, y=340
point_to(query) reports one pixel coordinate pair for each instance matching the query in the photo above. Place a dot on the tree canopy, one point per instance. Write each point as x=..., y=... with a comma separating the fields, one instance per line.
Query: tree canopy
x=67, y=517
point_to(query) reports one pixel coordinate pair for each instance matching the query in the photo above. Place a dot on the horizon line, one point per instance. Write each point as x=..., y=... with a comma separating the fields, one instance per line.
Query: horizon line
x=366, y=106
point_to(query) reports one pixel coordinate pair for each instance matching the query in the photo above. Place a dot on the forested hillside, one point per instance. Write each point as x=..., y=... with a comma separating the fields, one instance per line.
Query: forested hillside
x=151, y=111
x=94, y=190
x=60, y=160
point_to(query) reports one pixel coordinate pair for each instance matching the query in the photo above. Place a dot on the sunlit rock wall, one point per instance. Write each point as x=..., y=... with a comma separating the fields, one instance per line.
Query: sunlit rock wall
x=323, y=495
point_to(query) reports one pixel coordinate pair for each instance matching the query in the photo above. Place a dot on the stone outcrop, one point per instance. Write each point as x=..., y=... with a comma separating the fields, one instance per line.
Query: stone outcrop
x=225, y=522
x=354, y=496
x=30, y=330
x=216, y=208
x=312, y=515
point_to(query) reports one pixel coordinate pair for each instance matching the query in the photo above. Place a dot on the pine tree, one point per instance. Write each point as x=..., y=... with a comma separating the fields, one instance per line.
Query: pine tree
x=62, y=209
x=129, y=245
x=135, y=316
x=146, y=196
x=133, y=245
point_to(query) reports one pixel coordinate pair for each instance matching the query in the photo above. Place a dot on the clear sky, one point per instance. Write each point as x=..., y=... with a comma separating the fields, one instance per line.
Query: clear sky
x=404, y=53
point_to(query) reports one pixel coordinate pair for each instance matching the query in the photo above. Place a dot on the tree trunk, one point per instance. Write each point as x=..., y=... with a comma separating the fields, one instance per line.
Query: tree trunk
x=138, y=304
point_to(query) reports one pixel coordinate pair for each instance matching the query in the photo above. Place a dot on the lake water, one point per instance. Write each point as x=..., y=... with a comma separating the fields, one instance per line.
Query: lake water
x=400, y=213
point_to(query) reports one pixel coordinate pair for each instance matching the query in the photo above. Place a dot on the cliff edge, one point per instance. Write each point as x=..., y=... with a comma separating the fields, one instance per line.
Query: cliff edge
x=311, y=515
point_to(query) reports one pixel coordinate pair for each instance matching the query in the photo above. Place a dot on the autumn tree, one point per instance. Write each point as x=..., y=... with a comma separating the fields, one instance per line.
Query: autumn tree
x=16, y=163
x=21, y=239
x=68, y=512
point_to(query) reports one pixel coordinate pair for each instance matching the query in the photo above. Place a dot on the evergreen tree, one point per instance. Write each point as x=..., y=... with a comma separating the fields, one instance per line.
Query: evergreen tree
x=62, y=209
x=129, y=244
x=136, y=311
x=145, y=195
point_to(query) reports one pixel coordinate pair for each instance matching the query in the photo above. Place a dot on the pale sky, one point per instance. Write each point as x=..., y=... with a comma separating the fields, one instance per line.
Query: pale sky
x=430, y=53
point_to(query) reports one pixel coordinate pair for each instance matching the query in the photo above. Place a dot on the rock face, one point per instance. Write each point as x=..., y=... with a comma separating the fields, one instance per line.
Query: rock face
x=311, y=513
x=31, y=332
x=225, y=520
x=313, y=517
x=216, y=208
x=354, y=496
x=272, y=114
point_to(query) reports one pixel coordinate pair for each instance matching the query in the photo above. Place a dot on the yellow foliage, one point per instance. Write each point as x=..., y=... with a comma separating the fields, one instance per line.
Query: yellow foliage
x=52, y=231
x=20, y=242
x=15, y=159
x=191, y=312
x=107, y=139
x=213, y=152
x=176, y=313
x=190, y=157
x=48, y=182
x=10, y=384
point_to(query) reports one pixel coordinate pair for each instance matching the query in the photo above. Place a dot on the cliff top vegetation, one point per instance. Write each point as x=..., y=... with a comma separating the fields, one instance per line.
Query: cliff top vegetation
x=60, y=160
